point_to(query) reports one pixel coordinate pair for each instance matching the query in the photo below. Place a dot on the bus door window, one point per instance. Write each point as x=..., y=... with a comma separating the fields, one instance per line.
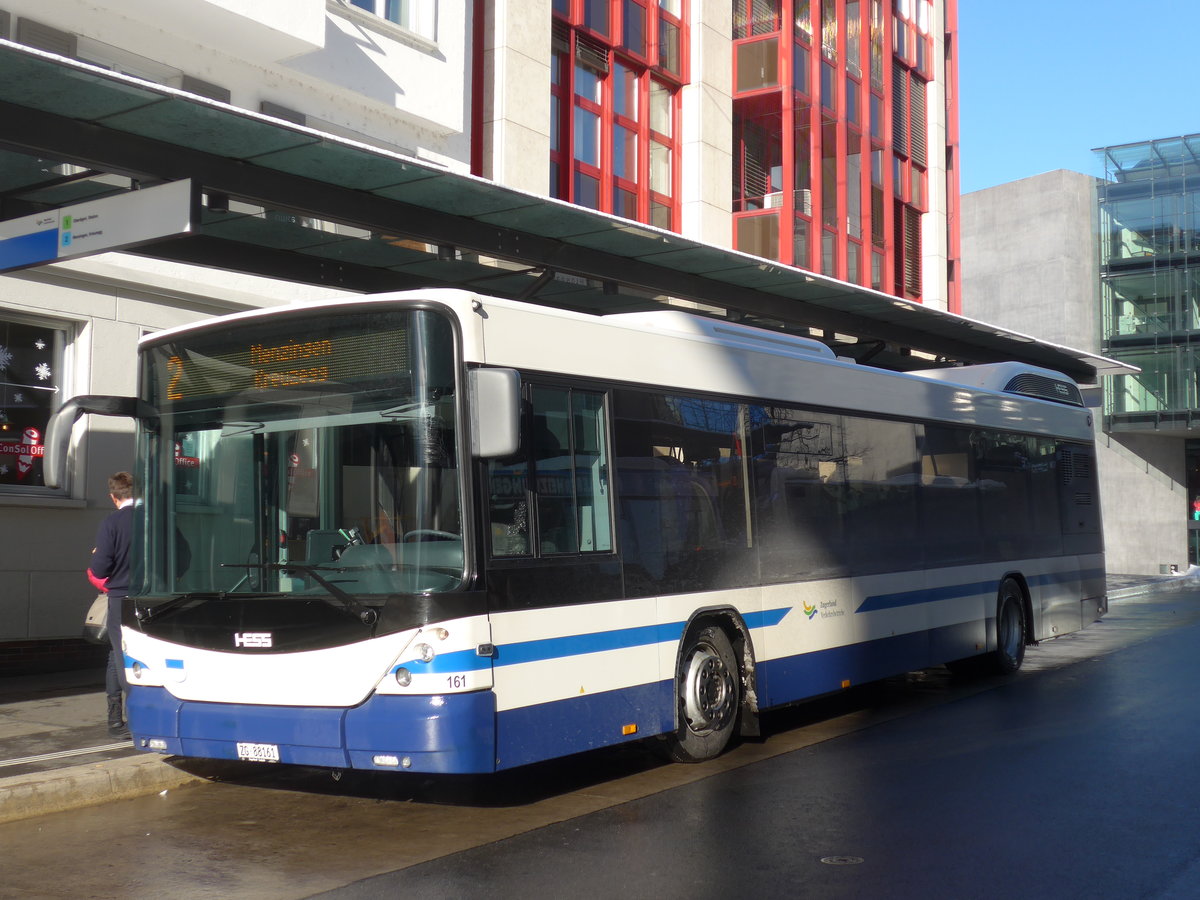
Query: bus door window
x=1003, y=462
x=554, y=487
x=949, y=499
x=509, y=506
x=589, y=457
x=567, y=451
x=1043, y=492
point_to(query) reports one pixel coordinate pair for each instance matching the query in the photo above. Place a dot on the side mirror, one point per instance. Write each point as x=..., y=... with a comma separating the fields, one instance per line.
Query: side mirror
x=495, y=404
x=58, y=431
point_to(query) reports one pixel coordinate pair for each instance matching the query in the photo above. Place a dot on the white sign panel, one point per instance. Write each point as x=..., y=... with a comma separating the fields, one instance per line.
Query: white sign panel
x=111, y=223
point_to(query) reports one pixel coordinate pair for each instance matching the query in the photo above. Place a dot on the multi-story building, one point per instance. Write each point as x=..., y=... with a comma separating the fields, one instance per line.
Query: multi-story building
x=814, y=133
x=818, y=134
x=1112, y=264
x=1149, y=252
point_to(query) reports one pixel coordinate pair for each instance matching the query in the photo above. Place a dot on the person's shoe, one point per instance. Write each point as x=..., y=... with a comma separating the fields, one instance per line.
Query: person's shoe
x=116, y=721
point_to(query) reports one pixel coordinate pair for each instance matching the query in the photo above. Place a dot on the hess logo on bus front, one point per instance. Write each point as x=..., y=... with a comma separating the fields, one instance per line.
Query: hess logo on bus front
x=257, y=639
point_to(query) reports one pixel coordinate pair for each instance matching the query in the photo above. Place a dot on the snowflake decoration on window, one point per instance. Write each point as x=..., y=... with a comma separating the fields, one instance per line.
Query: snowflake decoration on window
x=3, y=470
x=40, y=344
x=18, y=397
x=42, y=371
x=6, y=357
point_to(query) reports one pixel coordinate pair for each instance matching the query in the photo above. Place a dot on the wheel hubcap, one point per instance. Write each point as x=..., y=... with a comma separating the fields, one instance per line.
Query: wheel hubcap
x=707, y=691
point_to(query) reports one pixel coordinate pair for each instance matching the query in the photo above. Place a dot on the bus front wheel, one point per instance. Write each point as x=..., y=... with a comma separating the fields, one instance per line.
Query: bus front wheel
x=708, y=694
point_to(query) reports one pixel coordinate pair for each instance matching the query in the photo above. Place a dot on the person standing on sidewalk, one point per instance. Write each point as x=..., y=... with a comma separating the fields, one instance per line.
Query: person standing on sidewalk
x=110, y=566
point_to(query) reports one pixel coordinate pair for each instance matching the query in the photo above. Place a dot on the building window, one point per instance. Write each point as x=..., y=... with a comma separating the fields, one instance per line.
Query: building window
x=616, y=73
x=417, y=16
x=31, y=389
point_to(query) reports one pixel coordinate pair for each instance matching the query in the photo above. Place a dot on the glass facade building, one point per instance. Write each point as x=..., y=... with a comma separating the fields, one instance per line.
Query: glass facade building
x=1149, y=220
x=1149, y=243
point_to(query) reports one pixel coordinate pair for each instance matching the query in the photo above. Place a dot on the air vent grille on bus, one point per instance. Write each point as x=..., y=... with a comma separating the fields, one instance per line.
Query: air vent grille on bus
x=1047, y=388
x=1083, y=498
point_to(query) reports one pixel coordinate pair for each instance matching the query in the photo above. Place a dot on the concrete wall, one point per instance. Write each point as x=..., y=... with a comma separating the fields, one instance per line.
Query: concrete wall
x=1029, y=259
x=1029, y=263
x=516, y=93
x=935, y=250
x=1143, y=495
x=706, y=148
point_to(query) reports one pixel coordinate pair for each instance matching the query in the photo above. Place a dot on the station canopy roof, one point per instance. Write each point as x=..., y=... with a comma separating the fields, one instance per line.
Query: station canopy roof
x=287, y=201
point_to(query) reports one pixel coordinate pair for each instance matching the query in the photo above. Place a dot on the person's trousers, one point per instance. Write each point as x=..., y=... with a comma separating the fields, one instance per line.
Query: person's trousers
x=114, y=676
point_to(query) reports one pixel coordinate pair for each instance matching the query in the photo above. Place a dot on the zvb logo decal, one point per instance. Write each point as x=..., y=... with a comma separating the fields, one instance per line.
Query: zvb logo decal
x=809, y=610
x=252, y=639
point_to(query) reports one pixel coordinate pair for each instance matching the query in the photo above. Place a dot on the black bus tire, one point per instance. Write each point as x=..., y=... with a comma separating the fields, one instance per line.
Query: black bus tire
x=707, y=696
x=1010, y=629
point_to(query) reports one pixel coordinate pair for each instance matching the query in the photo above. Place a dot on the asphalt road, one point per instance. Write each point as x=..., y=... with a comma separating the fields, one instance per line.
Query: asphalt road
x=1077, y=778
x=1081, y=782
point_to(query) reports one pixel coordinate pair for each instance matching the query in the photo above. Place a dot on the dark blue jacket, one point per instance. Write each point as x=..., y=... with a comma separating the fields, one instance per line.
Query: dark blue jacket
x=110, y=559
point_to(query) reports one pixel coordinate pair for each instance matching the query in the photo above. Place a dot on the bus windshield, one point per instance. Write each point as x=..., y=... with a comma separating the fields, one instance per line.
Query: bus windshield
x=310, y=458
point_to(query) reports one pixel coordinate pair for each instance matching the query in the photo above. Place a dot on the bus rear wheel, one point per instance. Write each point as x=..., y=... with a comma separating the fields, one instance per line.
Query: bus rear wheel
x=1010, y=629
x=708, y=694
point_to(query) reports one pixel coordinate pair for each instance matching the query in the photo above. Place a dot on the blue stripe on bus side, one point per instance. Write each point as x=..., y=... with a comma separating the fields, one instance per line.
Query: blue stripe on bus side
x=954, y=591
x=574, y=645
x=925, y=595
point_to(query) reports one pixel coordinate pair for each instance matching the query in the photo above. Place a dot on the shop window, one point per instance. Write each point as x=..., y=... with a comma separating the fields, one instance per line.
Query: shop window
x=32, y=357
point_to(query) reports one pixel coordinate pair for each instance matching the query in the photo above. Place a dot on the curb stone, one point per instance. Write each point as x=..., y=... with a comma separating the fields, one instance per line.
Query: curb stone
x=40, y=793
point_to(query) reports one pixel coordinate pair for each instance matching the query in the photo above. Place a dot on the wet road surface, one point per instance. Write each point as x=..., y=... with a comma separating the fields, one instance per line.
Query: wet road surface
x=1076, y=778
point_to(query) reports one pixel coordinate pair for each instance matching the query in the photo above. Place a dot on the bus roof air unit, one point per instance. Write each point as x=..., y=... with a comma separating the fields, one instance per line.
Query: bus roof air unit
x=1013, y=378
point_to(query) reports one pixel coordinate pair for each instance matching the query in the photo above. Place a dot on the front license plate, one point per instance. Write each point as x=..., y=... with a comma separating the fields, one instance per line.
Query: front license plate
x=258, y=752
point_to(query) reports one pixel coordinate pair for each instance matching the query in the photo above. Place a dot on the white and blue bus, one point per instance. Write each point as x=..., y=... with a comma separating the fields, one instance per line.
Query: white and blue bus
x=443, y=532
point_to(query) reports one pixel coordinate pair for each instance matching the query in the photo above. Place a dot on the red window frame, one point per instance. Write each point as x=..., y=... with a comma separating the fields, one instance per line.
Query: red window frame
x=648, y=72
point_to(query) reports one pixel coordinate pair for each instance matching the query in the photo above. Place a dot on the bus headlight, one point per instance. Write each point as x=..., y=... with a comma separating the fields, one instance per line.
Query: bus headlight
x=425, y=652
x=403, y=677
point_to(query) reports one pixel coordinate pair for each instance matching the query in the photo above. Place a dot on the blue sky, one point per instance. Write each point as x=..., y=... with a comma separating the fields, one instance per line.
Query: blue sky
x=1041, y=84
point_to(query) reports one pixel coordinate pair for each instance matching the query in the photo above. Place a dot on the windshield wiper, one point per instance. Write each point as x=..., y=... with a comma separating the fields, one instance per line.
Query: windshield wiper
x=364, y=614
x=146, y=613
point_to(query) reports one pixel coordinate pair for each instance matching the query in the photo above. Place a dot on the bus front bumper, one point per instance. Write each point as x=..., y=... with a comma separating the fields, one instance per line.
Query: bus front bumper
x=443, y=733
